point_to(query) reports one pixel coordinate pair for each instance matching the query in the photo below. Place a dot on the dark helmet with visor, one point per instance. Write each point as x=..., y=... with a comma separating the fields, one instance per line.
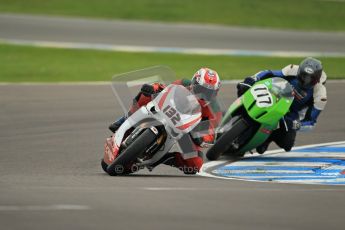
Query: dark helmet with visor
x=309, y=72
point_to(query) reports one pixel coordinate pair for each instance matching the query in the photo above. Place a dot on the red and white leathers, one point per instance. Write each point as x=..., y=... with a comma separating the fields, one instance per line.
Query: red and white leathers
x=190, y=160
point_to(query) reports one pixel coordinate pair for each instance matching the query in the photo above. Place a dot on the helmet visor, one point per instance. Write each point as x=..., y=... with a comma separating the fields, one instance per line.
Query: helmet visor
x=204, y=93
x=307, y=80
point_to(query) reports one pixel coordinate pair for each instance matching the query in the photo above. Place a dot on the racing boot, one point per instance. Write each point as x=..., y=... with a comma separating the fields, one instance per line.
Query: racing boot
x=116, y=125
x=167, y=159
x=262, y=148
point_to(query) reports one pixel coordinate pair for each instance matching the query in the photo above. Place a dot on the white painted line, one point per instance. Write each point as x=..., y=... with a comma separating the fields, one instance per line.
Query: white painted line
x=305, y=146
x=319, y=154
x=276, y=189
x=251, y=178
x=280, y=163
x=169, y=189
x=57, y=83
x=179, y=50
x=55, y=207
x=224, y=82
x=208, y=165
x=249, y=171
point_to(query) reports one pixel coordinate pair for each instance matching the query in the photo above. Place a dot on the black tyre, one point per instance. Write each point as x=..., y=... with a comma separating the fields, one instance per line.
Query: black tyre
x=225, y=141
x=137, y=147
x=104, y=165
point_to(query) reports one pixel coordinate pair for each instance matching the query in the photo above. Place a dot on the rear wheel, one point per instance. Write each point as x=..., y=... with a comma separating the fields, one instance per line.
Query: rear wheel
x=225, y=141
x=122, y=164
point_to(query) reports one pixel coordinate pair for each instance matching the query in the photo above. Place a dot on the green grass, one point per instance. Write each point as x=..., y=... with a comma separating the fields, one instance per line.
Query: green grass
x=295, y=14
x=32, y=64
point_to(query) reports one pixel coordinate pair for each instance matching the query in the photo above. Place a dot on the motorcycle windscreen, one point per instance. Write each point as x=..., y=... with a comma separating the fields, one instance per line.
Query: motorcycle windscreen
x=179, y=107
x=281, y=88
x=126, y=86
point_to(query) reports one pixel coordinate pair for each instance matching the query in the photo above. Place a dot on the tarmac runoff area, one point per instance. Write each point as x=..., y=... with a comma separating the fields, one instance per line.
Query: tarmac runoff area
x=51, y=139
x=52, y=135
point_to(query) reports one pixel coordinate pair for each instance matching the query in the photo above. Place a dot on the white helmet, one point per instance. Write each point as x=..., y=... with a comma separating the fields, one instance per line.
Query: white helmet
x=205, y=84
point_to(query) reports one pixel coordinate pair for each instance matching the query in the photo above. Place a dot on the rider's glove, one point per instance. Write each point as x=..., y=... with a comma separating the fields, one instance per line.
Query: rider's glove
x=205, y=141
x=242, y=87
x=147, y=90
x=151, y=89
x=296, y=125
x=293, y=124
x=304, y=126
x=206, y=144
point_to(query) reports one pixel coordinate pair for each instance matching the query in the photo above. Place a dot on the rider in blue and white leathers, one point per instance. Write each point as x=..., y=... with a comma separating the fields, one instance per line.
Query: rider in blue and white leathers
x=308, y=80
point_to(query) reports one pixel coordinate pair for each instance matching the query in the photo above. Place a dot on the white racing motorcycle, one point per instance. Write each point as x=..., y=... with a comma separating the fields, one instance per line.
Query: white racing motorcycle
x=150, y=133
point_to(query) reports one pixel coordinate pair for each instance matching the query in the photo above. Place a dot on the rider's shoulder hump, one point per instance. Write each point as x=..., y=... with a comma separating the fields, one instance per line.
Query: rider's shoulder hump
x=290, y=70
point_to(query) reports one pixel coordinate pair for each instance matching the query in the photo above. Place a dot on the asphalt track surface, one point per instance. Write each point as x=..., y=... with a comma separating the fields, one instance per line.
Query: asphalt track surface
x=51, y=139
x=135, y=33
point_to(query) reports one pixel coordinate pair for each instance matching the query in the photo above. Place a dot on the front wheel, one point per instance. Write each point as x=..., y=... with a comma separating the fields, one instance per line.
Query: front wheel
x=122, y=164
x=226, y=140
x=104, y=165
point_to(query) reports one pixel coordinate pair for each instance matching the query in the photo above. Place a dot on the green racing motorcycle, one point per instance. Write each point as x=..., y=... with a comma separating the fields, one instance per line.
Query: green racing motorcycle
x=252, y=117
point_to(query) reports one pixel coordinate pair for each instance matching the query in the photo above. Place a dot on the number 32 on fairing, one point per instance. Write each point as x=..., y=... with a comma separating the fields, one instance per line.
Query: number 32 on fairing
x=172, y=114
x=262, y=95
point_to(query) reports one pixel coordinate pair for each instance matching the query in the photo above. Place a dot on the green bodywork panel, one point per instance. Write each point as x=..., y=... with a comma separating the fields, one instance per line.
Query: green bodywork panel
x=269, y=115
x=265, y=108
